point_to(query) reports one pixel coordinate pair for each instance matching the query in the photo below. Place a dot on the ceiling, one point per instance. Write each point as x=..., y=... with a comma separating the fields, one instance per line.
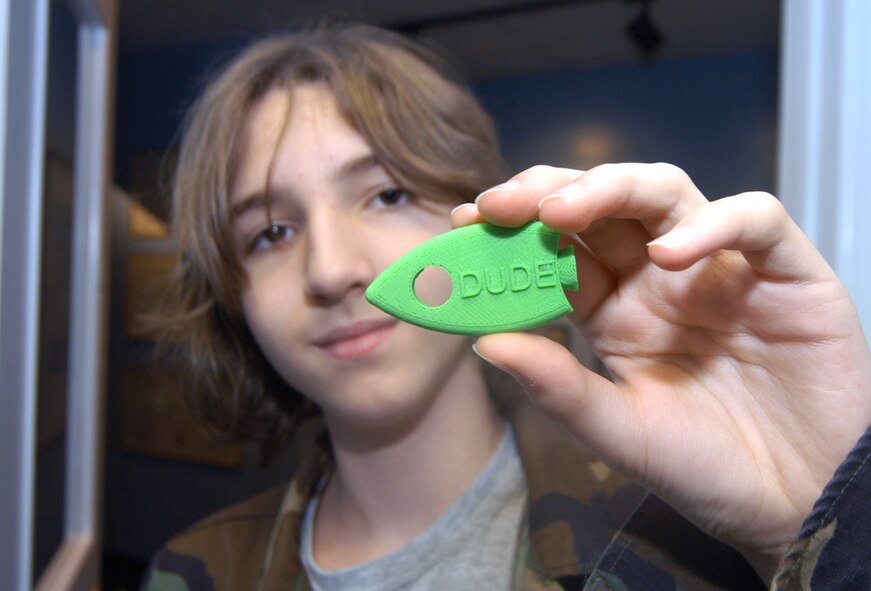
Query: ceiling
x=484, y=38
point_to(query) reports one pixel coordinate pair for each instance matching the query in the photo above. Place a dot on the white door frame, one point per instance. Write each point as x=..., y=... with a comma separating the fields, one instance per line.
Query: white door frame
x=824, y=175
x=23, y=67
x=25, y=30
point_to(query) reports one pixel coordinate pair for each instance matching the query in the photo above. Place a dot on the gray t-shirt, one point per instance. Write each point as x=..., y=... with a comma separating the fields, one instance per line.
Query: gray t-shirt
x=471, y=546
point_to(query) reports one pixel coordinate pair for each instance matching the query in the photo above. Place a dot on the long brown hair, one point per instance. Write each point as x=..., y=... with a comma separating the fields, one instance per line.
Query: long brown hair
x=423, y=126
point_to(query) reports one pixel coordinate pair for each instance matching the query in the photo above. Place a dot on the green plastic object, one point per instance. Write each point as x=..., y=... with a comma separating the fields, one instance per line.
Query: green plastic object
x=503, y=280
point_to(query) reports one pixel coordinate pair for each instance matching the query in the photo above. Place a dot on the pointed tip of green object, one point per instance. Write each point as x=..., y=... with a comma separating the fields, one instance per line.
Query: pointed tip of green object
x=503, y=279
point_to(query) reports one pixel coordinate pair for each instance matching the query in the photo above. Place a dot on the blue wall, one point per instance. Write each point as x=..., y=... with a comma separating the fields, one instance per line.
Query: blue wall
x=715, y=118
x=154, y=90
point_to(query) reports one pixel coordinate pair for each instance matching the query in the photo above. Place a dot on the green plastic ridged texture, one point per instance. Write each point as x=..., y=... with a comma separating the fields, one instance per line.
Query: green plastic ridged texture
x=504, y=279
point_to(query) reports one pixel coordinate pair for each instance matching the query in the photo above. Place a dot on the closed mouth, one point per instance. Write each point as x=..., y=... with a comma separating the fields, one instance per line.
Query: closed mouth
x=357, y=339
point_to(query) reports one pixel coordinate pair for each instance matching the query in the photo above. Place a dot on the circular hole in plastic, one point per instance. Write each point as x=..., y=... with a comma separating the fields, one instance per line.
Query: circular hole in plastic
x=433, y=286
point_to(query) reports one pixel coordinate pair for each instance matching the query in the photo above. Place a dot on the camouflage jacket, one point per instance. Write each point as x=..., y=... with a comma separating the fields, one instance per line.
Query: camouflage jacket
x=587, y=529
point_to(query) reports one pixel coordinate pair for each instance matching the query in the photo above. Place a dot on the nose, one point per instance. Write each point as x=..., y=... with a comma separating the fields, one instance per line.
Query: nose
x=338, y=259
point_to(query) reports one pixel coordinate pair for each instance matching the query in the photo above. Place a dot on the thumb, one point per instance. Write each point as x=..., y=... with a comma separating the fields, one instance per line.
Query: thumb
x=591, y=407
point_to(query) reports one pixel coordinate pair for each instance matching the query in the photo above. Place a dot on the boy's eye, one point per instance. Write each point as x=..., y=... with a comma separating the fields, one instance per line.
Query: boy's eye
x=269, y=236
x=391, y=197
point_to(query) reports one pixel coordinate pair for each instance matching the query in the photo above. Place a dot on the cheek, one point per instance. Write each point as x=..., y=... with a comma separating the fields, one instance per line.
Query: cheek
x=267, y=308
x=255, y=319
x=273, y=283
x=275, y=327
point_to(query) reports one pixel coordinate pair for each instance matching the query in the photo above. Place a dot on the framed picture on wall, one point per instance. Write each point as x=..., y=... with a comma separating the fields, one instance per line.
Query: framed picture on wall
x=154, y=420
x=146, y=278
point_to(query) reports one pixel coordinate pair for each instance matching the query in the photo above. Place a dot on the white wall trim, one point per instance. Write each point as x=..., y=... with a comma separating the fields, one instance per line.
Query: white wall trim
x=26, y=53
x=824, y=159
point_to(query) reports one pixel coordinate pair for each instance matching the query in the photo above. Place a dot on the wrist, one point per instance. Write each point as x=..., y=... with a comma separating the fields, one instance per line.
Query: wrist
x=766, y=563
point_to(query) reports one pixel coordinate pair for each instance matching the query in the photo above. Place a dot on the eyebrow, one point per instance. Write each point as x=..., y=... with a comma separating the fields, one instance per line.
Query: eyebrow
x=348, y=169
x=356, y=166
x=256, y=200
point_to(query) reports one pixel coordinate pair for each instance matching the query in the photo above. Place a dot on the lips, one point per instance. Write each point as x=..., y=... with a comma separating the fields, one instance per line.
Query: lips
x=357, y=339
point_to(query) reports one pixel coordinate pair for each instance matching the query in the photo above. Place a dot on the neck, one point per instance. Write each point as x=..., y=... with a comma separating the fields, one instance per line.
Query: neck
x=389, y=488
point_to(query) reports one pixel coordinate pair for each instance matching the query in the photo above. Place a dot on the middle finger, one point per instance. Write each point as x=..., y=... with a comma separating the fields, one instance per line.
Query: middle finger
x=658, y=196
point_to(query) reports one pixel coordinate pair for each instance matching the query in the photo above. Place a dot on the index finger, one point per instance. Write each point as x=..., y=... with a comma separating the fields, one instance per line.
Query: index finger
x=515, y=202
x=656, y=195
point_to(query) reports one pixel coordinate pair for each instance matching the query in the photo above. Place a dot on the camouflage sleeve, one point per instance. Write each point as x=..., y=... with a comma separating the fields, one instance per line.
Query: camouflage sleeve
x=658, y=549
x=833, y=550
x=169, y=571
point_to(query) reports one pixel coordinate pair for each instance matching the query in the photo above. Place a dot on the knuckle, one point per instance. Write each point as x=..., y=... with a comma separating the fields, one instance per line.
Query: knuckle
x=765, y=203
x=669, y=172
x=536, y=171
x=659, y=173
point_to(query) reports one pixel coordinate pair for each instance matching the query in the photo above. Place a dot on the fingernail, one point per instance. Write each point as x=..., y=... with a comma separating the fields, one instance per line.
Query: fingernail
x=459, y=207
x=490, y=361
x=551, y=198
x=523, y=381
x=676, y=238
x=506, y=186
x=568, y=194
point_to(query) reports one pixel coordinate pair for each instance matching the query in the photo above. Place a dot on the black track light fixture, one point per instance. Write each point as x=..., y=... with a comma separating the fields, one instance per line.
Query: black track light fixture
x=643, y=31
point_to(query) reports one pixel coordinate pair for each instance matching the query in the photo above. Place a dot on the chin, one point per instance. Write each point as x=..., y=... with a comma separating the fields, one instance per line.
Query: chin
x=374, y=405
x=395, y=391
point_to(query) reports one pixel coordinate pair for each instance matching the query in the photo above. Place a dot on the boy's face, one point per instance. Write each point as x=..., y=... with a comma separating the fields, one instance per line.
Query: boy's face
x=333, y=221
